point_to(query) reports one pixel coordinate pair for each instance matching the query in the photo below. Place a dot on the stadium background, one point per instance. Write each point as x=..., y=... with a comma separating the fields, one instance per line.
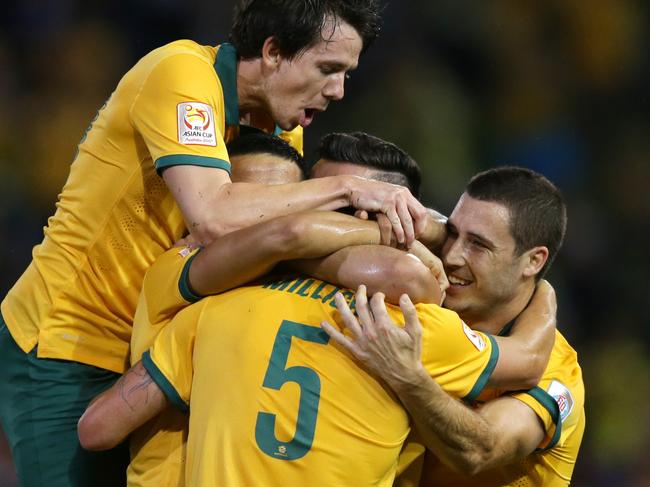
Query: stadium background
x=559, y=86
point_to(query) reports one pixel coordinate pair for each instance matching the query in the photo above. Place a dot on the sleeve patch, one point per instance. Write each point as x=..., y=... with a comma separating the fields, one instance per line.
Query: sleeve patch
x=196, y=124
x=475, y=338
x=563, y=398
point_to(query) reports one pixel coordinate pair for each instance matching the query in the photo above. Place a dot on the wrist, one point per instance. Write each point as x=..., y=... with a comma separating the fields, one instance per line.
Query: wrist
x=409, y=380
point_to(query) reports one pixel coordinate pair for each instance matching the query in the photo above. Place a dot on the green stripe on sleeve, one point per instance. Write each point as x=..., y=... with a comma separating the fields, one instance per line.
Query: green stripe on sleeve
x=184, y=282
x=188, y=160
x=545, y=399
x=486, y=374
x=162, y=382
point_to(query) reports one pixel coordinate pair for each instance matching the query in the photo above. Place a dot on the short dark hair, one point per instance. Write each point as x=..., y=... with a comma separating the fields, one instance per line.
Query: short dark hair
x=392, y=164
x=253, y=141
x=536, y=208
x=297, y=24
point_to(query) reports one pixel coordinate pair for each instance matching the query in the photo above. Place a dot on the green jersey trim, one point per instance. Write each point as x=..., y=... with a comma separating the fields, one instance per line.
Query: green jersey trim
x=161, y=381
x=226, y=67
x=184, y=282
x=487, y=372
x=188, y=160
x=546, y=400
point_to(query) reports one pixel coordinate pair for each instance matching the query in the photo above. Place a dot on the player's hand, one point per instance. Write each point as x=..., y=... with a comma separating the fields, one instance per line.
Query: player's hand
x=433, y=263
x=188, y=241
x=406, y=214
x=392, y=353
x=386, y=234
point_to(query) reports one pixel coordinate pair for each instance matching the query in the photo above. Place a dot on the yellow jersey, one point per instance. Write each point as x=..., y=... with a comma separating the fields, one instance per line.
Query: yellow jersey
x=115, y=215
x=558, y=401
x=158, y=447
x=274, y=402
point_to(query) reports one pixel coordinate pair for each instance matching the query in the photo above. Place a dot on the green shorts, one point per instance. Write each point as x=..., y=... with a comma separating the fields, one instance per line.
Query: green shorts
x=41, y=401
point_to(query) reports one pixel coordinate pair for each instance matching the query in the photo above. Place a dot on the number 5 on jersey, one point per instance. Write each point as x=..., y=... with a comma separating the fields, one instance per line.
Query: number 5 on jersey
x=276, y=375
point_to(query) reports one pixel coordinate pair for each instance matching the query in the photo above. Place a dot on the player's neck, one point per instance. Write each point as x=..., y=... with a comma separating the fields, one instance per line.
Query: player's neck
x=249, y=86
x=499, y=316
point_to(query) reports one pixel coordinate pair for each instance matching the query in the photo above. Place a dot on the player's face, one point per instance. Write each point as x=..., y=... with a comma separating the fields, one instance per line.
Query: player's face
x=264, y=169
x=296, y=89
x=480, y=260
x=325, y=167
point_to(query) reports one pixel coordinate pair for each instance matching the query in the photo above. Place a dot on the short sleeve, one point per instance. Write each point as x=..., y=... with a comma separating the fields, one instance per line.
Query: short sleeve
x=460, y=359
x=165, y=292
x=179, y=113
x=558, y=405
x=169, y=360
x=558, y=399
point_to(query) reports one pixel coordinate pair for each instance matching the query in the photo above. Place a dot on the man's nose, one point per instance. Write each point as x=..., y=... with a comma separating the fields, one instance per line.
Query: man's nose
x=335, y=87
x=453, y=253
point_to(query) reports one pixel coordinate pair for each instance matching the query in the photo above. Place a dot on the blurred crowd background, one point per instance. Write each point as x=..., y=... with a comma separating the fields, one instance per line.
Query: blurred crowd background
x=560, y=86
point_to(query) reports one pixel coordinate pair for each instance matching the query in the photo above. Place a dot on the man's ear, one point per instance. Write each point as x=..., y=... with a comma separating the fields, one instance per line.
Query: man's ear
x=533, y=260
x=270, y=53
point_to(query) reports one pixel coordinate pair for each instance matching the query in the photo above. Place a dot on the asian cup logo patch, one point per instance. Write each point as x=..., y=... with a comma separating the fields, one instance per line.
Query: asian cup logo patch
x=563, y=397
x=476, y=339
x=196, y=124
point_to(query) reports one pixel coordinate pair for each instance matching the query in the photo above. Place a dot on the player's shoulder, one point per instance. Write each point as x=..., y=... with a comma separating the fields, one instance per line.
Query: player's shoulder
x=183, y=46
x=432, y=315
x=564, y=359
x=183, y=57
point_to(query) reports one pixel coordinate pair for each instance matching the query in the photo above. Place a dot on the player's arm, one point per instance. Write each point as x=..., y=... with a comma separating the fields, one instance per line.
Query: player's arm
x=502, y=431
x=382, y=269
x=243, y=255
x=213, y=206
x=524, y=354
x=467, y=440
x=113, y=415
x=196, y=171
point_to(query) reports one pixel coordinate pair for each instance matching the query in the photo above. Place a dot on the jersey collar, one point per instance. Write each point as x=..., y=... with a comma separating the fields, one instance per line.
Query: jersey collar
x=226, y=67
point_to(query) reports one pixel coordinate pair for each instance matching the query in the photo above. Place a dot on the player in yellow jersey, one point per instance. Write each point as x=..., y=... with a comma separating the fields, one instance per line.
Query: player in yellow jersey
x=152, y=163
x=502, y=236
x=271, y=400
x=170, y=268
x=157, y=449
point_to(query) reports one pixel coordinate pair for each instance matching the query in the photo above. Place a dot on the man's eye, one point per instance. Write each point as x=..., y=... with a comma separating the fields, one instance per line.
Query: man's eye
x=477, y=243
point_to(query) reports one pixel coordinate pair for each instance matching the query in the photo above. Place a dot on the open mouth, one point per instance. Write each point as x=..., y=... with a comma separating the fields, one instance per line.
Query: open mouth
x=307, y=116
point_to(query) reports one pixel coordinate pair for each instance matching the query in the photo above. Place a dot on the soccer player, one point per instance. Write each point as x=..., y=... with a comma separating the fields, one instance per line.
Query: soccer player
x=162, y=465
x=151, y=164
x=227, y=359
x=503, y=235
x=179, y=276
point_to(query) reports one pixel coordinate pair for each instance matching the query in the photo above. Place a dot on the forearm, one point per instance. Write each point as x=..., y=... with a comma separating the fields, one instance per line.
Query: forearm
x=459, y=436
x=435, y=230
x=380, y=268
x=526, y=351
x=248, y=253
x=114, y=414
x=239, y=205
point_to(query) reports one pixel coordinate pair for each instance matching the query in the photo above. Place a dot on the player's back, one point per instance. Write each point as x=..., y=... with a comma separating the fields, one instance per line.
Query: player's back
x=273, y=402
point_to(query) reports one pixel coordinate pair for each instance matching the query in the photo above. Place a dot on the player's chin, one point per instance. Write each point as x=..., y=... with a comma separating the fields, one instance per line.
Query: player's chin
x=287, y=123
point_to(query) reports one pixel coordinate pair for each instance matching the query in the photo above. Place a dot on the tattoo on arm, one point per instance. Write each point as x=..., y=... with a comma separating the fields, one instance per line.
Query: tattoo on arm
x=134, y=387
